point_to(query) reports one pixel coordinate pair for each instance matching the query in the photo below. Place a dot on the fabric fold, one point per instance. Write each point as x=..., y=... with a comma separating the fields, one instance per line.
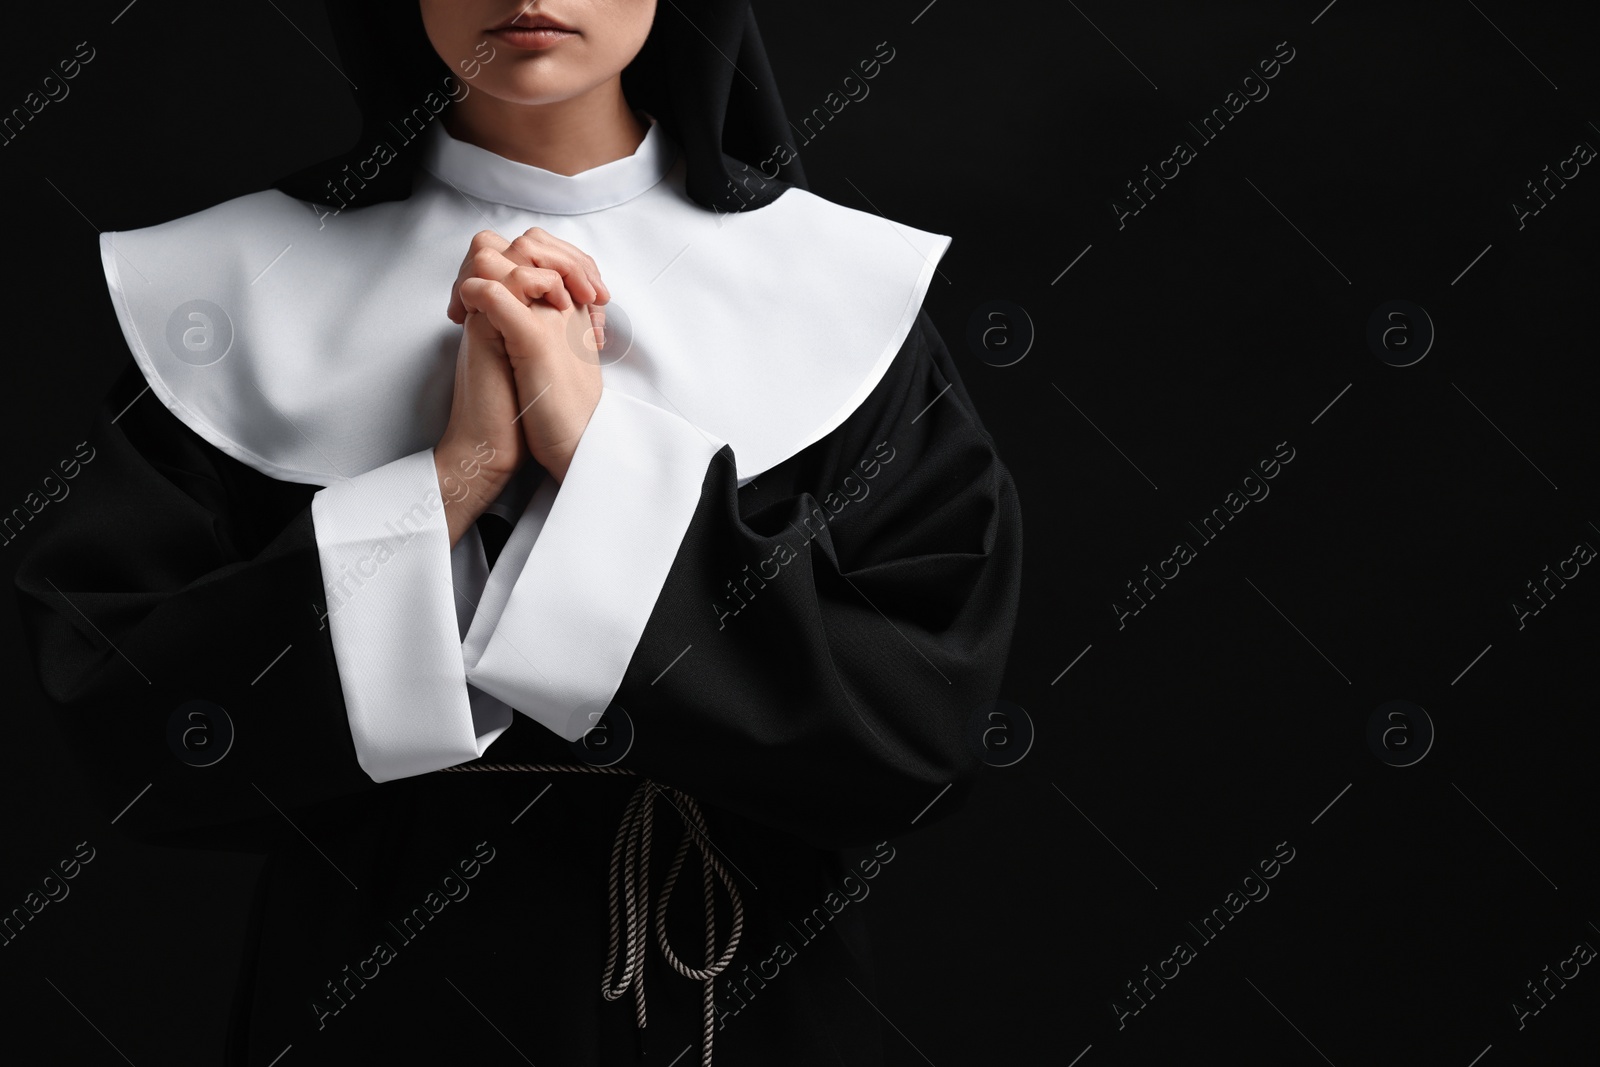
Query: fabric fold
x=396, y=621
x=589, y=561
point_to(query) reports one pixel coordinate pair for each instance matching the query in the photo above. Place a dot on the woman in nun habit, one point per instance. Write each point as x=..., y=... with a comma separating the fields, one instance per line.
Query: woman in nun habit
x=550, y=470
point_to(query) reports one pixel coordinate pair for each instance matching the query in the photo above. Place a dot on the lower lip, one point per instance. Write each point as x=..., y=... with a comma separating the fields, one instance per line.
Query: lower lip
x=533, y=39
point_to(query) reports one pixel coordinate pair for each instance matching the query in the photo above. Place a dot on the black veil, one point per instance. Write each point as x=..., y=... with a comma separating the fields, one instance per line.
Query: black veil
x=703, y=73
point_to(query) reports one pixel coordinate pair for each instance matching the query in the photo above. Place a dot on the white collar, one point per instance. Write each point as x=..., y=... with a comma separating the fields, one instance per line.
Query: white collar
x=488, y=176
x=325, y=351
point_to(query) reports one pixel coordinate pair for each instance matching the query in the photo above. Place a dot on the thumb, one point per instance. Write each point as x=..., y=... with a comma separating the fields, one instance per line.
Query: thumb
x=480, y=330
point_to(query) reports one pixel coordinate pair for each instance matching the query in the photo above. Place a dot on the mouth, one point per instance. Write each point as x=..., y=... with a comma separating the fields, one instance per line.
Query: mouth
x=525, y=30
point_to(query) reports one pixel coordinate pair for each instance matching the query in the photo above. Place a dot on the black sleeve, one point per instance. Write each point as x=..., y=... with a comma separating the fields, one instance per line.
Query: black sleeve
x=174, y=573
x=826, y=636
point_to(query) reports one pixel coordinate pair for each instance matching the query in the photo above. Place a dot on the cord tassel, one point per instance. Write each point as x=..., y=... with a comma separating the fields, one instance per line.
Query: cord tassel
x=628, y=890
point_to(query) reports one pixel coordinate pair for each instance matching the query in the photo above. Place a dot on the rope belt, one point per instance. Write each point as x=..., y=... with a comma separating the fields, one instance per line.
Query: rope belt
x=631, y=853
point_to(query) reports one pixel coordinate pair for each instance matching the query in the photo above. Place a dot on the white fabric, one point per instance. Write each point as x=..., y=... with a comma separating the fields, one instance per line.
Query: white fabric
x=395, y=627
x=312, y=344
x=557, y=646
x=765, y=328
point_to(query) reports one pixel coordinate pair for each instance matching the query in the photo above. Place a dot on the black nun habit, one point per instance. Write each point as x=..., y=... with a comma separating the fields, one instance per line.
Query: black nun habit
x=760, y=616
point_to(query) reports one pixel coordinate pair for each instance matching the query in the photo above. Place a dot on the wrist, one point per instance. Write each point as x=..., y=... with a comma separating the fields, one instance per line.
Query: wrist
x=557, y=467
x=467, y=485
x=556, y=459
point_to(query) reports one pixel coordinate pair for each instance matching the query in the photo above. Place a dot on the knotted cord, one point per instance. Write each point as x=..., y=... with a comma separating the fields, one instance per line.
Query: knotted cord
x=631, y=853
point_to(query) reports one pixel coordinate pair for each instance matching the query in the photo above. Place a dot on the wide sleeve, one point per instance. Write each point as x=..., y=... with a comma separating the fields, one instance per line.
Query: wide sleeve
x=809, y=651
x=181, y=630
x=399, y=600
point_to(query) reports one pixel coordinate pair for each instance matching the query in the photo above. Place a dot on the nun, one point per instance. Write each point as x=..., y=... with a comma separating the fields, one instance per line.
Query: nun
x=549, y=474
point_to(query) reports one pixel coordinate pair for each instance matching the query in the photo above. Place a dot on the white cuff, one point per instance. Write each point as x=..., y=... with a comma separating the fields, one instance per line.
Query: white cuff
x=590, y=560
x=396, y=628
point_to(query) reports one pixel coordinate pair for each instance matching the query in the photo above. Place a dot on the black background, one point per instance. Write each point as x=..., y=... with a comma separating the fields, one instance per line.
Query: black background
x=1180, y=349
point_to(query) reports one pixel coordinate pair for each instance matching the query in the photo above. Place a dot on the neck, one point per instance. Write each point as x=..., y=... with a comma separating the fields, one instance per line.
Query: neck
x=567, y=136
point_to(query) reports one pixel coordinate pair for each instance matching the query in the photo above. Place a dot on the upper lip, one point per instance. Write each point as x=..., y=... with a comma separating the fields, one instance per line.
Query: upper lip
x=526, y=21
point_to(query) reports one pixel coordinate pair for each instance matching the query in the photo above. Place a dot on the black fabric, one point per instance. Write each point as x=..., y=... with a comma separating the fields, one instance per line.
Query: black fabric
x=829, y=711
x=495, y=532
x=703, y=73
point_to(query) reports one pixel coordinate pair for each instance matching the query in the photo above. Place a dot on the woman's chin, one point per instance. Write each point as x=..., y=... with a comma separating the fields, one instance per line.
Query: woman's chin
x=538, y=82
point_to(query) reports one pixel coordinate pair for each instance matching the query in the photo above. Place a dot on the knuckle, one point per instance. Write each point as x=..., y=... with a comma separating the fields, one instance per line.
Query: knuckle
x=524, y=246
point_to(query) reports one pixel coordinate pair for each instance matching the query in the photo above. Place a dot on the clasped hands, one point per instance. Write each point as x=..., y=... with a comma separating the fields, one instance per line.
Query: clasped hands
x=528, y=370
